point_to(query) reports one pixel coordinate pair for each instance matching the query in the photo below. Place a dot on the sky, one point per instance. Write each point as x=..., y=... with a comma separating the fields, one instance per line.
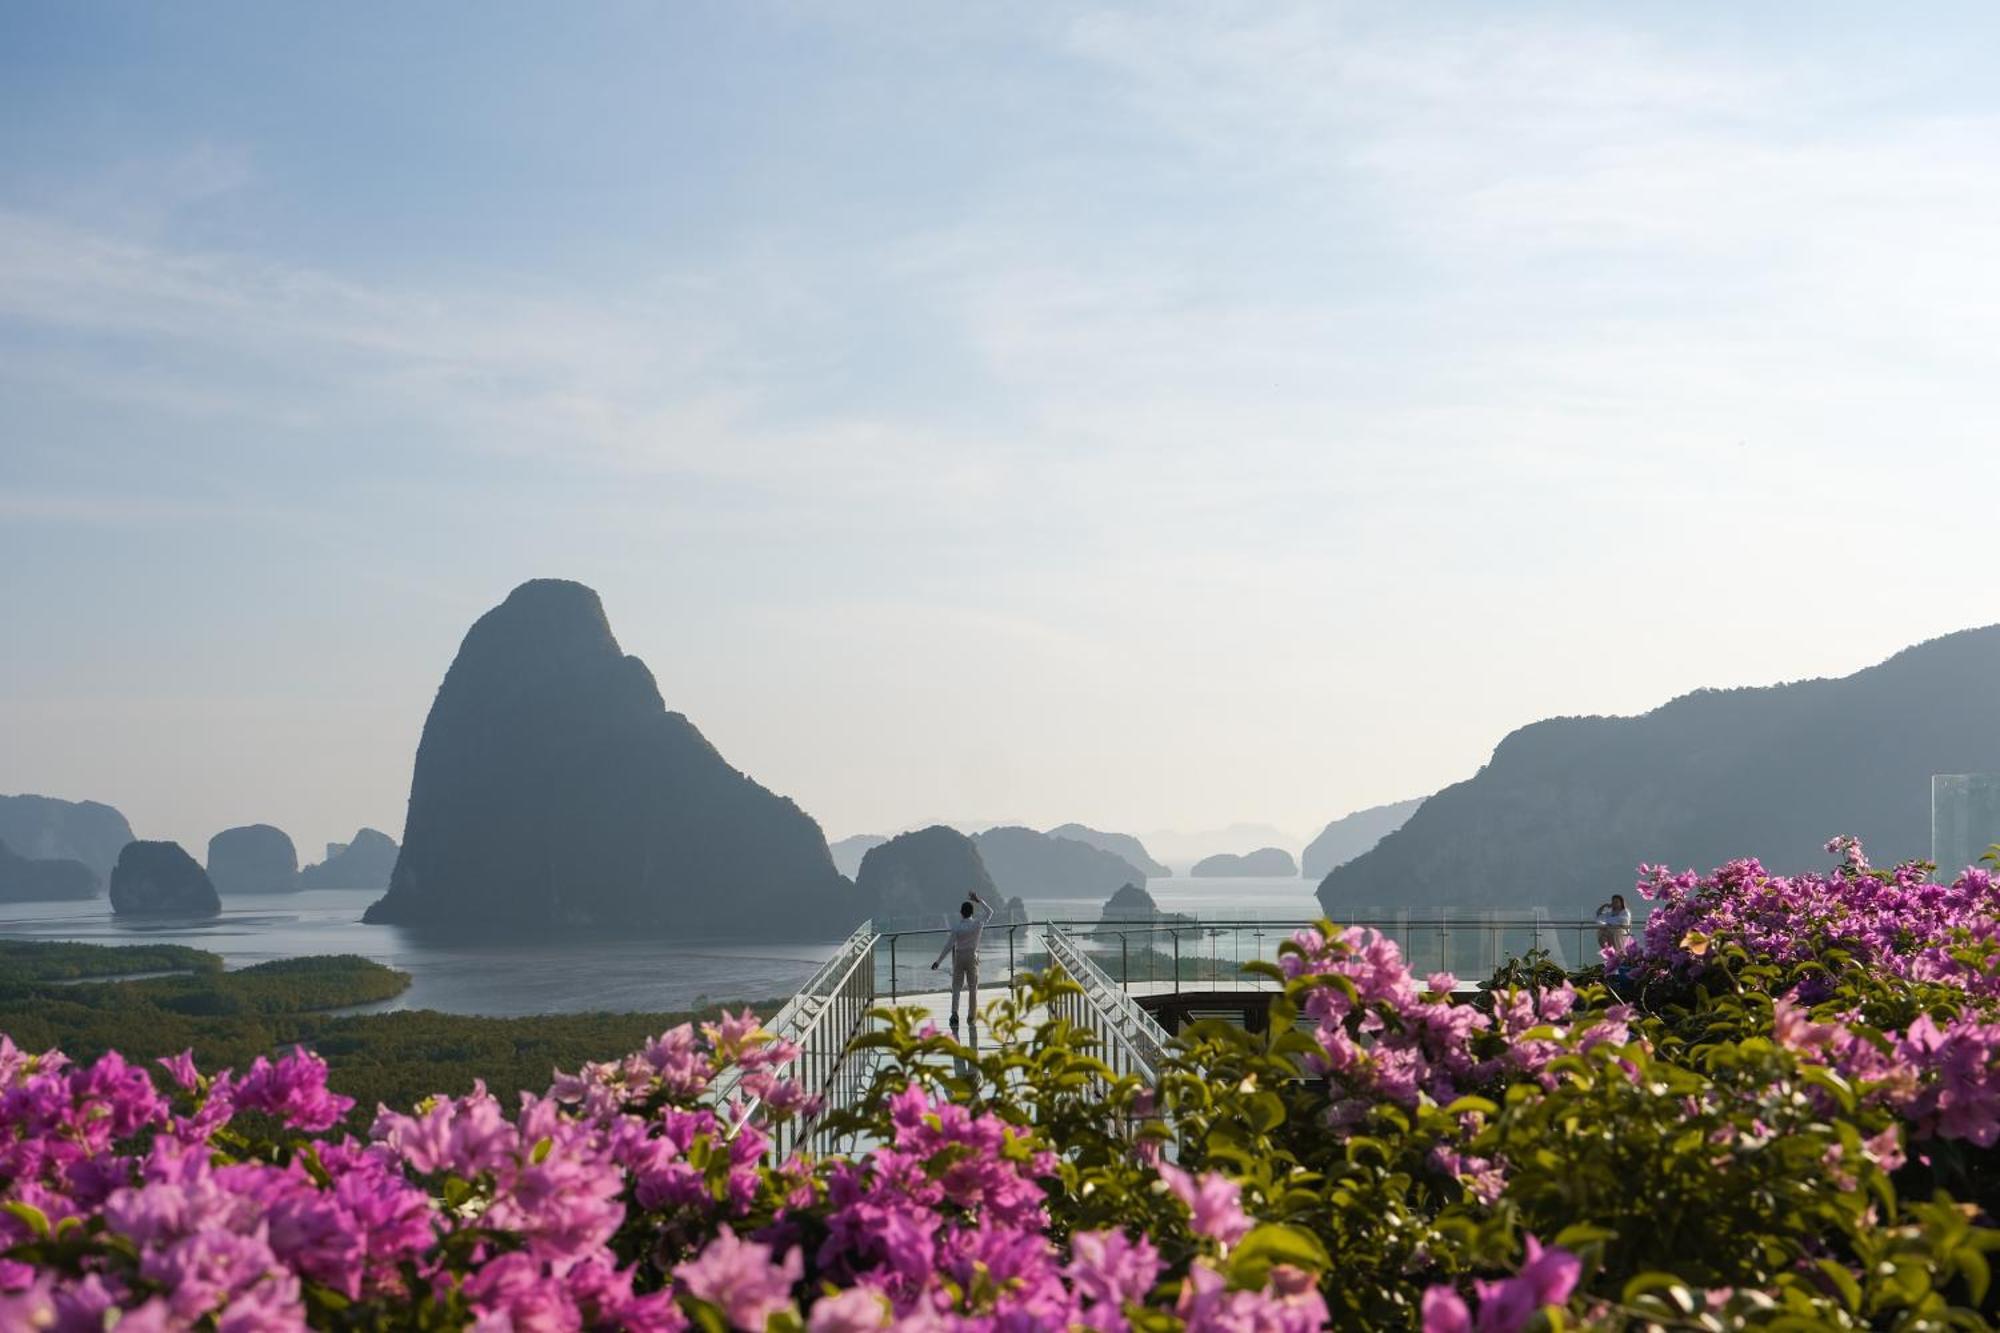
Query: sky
x=1157, y=417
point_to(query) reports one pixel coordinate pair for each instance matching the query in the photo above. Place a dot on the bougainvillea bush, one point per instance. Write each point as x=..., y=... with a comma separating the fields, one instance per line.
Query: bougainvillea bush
x=1778, y=1109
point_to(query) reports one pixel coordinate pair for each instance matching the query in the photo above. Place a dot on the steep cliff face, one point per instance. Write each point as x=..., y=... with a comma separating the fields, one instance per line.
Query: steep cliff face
x=1035, y=865
x=1567, y=808
x=1265, y=862
x=256, y=858
x=1122, y=845
x=923, y=874
x=26, y=880
x=43, y=828
x=1351, y=835
x=553, y=787
x=366, y=862
x=161, y=879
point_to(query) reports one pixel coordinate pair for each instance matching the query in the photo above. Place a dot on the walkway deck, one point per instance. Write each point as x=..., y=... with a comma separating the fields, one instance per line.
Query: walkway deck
x=1129, y=975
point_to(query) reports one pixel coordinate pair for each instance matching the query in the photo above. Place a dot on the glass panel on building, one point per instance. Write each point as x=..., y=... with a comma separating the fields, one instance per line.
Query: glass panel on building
x=1965, y=819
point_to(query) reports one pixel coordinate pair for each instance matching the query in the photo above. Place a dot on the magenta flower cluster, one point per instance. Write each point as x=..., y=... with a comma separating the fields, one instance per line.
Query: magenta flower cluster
x=174, y=1214
x=636, y=1193
x=1941, y=1074
x=1898, y=922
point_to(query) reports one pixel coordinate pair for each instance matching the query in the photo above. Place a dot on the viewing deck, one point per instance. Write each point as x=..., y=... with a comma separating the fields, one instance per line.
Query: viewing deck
x=1139, y=982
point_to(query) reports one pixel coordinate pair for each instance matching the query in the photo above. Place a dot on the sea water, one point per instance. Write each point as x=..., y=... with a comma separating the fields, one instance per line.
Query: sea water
x=576, y=972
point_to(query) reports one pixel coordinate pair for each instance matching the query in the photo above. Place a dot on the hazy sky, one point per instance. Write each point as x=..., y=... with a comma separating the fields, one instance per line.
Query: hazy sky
x=1152, y=416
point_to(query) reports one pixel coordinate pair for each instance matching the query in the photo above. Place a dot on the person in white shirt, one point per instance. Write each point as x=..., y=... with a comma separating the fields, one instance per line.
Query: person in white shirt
x=1614, y=923
x=963, y=946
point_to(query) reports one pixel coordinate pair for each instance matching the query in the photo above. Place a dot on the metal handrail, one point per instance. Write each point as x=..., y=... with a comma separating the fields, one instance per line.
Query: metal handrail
x=822, y=1019
x=826, y=1013
x=1138, y=1044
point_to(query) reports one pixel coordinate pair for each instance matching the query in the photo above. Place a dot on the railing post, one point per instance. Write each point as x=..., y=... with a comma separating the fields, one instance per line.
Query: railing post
x=1124, y=964
x=1177, y=962
x=1010, y=952
x=892, y=969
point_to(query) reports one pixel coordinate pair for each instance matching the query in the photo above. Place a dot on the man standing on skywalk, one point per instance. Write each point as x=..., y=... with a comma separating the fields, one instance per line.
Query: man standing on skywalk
x=963, y=946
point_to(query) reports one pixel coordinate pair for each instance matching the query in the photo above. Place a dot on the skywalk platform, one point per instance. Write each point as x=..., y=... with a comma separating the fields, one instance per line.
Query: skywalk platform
x=1137, y=983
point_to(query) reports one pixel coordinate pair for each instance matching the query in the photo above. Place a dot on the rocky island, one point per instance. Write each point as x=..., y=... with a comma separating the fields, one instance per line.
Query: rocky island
x=1122, y=845
x=363, y=862
x=1034, y=865
x=554, y=788
x=1265, y=862
x=1349, y=836
x=1132, y=903
x=256, y=858
x=44, y=828
x=921, y=875
x=27, y=880
x=161, y=879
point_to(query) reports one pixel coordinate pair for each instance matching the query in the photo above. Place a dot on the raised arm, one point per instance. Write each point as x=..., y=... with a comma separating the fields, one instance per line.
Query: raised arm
x=985, y=910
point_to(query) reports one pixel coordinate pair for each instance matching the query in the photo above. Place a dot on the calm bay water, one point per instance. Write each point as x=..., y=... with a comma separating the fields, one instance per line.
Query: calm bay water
x=570, y=973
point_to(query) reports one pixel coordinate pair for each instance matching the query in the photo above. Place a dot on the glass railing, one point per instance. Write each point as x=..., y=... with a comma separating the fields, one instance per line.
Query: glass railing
x=1189, y=952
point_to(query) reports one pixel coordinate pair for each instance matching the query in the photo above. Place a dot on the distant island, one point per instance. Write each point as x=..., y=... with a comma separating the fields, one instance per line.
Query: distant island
x=1566, y=809
x=161, y=879
x=27, y=879
x=1031, y=865
x=45, y=828
x=1180, y=848
x=256, y=858
x=1265, y=862
x=1351, y=835
x=1122, y=845
x=364, y=861
x=1133, y=903
x=923, y=875
x=553, y=788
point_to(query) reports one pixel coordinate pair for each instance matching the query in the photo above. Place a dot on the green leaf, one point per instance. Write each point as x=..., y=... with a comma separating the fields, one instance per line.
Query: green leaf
x=1265, y=1109
x=1579, y=1234
x=1671, y=1288
x=36, y=1220
x=1275, y=1243
x=1843, y=1281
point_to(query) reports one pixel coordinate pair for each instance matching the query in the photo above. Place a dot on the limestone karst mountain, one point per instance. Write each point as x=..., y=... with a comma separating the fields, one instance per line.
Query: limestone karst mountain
x=1034, y=865
x=1122, y=845
x=1350, y=835
x=1181, y=849
x=27, y=880
x=1567, y=808
x=924, y=874
x=161, y=879
x=1133, y=903
x=363, y=862
x=44, y=828
x=553, y=787
x=255, y=858
x=848, y=852
x=1265, y=862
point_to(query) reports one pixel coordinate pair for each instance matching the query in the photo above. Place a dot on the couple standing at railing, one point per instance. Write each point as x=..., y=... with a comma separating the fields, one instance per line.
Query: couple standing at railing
x=963, y=946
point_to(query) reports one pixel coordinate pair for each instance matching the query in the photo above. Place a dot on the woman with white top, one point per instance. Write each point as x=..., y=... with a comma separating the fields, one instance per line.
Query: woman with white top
x=1614, y=923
